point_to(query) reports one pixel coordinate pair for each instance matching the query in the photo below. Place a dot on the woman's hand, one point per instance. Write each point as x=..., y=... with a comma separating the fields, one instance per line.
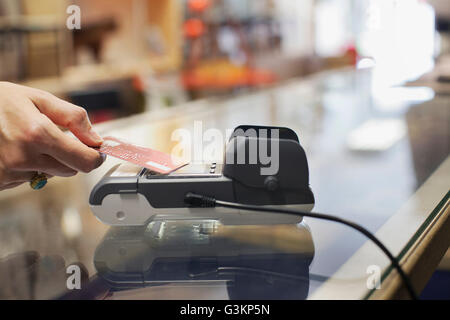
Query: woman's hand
x=31, y=141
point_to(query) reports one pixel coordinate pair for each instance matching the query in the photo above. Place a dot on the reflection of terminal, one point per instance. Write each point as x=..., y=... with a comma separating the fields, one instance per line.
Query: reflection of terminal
x=254, y=262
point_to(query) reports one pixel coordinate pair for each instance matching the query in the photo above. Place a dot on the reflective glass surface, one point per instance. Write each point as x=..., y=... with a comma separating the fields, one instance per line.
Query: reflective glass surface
x=379, y=158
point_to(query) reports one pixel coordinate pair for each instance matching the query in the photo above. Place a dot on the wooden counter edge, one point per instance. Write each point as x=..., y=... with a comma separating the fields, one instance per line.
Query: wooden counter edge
x=421, y=260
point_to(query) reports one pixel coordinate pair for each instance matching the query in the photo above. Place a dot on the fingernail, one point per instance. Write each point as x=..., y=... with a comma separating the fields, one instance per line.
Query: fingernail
x=103, y=156
x=96, y=136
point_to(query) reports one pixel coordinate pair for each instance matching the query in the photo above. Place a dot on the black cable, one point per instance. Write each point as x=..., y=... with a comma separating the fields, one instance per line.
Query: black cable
x=198, y=200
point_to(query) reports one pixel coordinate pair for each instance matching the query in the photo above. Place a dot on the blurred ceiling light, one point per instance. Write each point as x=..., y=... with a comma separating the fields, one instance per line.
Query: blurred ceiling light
x=376, y=135
x=332, y=27
x=401, y=41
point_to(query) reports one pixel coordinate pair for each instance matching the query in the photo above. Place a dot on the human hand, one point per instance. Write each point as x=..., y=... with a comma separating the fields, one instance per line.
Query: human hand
x=31, y=141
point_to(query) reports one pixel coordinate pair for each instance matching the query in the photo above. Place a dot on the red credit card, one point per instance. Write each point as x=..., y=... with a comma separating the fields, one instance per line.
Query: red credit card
x=154, y=160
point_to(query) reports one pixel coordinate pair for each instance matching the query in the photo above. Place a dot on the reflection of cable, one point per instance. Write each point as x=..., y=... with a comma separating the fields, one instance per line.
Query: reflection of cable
x=198, y=200
x=311, y=277
x=247, y=271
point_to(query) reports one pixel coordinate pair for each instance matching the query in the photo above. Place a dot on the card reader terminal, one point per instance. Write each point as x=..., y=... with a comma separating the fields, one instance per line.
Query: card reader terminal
x=129, y=195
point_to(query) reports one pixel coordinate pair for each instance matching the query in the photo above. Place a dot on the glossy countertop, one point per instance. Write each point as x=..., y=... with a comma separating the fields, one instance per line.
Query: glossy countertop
x=394, y=186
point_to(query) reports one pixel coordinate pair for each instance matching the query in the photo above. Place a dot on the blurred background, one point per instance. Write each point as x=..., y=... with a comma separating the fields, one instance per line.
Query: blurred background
x=136, y=55
x=365, y=64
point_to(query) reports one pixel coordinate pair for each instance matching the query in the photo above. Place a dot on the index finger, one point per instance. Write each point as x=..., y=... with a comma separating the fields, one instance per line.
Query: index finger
x=67, y=115
x=71, y=152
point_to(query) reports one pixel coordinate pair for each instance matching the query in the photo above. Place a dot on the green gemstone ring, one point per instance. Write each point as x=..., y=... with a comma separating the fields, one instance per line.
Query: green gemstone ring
x=38, y=181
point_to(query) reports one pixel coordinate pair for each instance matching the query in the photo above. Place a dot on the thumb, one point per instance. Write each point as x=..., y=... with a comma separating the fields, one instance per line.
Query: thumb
x=67, y=115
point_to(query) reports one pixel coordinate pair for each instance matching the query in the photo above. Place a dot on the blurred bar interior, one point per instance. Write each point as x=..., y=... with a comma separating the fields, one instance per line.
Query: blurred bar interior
x=181, y=50
x=133, y=56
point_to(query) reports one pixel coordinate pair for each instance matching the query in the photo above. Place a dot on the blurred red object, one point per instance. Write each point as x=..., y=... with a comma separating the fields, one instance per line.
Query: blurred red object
x=138, y=83
x=225, y=75
x=352, y=53
x=198, y=5
x=194, y=28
